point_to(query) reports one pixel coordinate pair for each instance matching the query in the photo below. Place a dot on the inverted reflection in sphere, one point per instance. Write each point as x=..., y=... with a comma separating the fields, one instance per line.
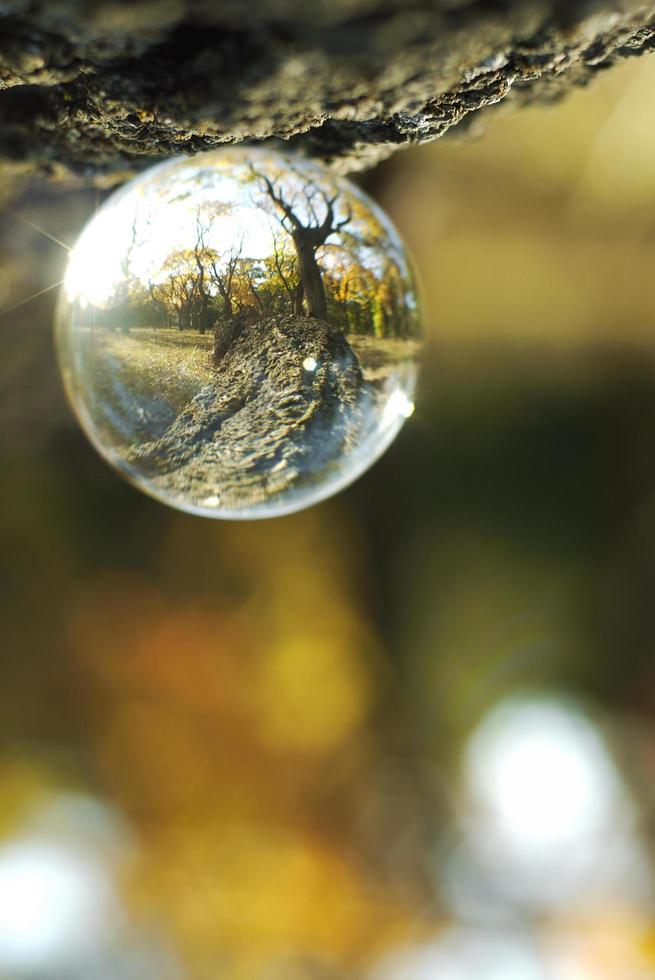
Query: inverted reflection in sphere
x=238, y=332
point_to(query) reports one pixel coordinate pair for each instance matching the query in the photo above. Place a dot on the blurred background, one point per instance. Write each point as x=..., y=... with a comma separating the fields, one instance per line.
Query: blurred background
x=408, y=734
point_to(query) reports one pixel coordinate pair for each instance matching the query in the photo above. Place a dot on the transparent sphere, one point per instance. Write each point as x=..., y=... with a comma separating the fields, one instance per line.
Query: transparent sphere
x=238, y=332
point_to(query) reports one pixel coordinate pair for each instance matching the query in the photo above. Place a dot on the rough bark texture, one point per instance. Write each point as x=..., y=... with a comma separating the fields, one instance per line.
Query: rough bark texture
x=99, y=87
x=264, y=422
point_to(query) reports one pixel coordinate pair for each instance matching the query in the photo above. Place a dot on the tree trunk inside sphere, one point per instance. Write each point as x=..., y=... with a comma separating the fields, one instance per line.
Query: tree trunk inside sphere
x=312, y=282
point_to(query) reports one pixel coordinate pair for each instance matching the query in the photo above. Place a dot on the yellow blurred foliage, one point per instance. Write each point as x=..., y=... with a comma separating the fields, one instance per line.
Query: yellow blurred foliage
x=541, y=230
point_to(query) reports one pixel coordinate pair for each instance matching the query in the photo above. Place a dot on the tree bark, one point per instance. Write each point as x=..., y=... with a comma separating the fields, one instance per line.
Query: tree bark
x=101, y=89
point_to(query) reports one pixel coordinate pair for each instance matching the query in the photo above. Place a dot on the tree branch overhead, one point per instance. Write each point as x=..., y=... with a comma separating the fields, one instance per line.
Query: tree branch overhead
x=100, y=89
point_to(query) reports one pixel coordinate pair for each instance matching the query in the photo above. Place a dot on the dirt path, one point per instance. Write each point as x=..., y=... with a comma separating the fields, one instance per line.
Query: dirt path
x=287, y=399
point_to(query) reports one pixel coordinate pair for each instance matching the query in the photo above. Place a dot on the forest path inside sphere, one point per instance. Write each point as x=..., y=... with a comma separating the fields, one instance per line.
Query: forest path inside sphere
x=286, y=398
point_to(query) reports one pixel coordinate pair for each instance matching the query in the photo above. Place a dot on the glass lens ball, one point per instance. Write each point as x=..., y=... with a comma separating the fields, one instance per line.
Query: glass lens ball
x=238, y=332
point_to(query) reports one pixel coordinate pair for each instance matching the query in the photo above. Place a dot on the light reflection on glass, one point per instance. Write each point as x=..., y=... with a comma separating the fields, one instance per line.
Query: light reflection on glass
x=398, y=406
